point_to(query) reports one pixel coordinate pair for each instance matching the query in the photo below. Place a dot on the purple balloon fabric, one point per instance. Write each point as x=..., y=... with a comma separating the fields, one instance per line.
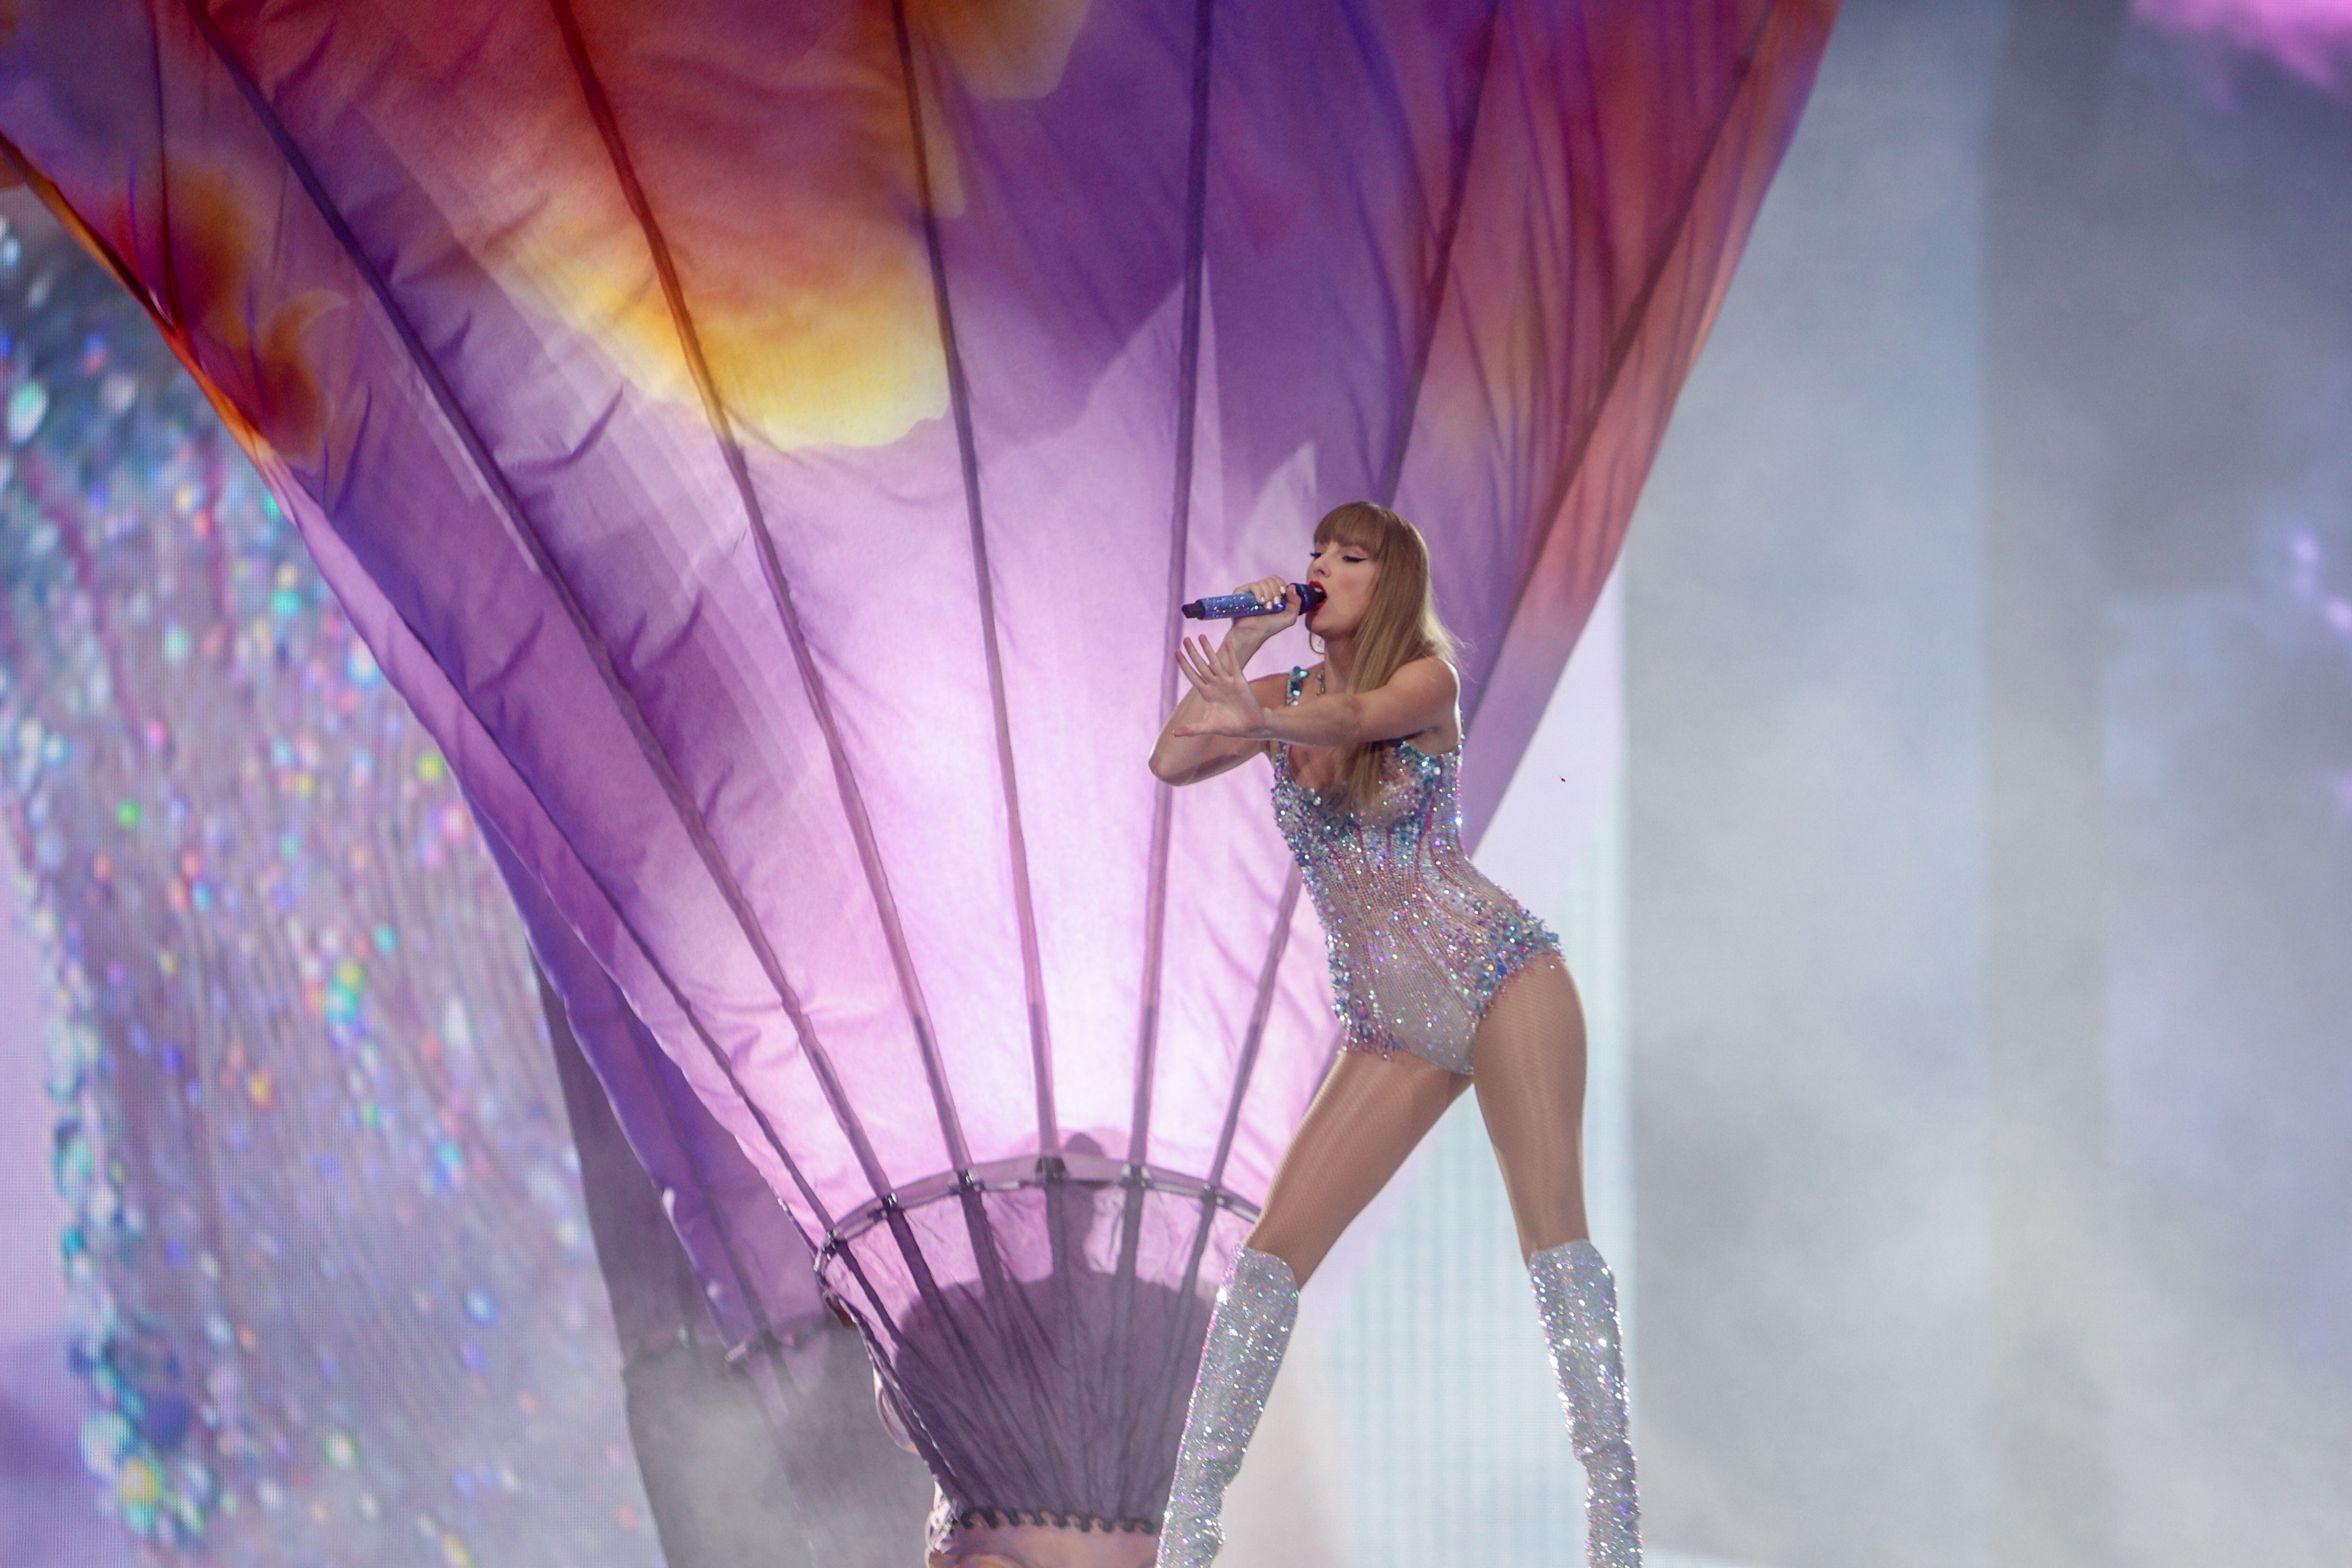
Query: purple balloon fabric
x=753, y=1264
x=765, y=444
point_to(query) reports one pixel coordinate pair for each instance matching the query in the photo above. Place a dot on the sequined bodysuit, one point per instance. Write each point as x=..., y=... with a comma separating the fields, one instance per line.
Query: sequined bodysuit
x=1420, y=941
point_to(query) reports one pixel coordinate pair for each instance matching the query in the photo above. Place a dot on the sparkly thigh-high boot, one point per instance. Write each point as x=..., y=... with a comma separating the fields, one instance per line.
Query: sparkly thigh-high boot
x=1247, y=1334
x=1577, y=1298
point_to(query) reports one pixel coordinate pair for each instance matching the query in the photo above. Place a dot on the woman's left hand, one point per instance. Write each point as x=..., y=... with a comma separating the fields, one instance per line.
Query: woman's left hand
x=1231, y=706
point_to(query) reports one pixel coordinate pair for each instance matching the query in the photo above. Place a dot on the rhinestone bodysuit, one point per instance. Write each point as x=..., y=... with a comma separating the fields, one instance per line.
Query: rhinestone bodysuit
x=1420, y=942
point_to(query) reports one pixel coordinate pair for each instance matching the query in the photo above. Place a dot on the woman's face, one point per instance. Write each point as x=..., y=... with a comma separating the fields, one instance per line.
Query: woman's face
x=1345, y=573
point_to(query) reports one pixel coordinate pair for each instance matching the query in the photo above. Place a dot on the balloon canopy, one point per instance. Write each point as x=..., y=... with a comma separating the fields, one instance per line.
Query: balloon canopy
x=765, y=444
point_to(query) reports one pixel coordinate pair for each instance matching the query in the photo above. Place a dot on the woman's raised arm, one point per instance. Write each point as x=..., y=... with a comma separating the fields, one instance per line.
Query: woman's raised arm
x=1418, y=698
x=1185, y=754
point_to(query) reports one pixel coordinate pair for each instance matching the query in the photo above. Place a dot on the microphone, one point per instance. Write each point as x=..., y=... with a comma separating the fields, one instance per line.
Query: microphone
x=1234, y=606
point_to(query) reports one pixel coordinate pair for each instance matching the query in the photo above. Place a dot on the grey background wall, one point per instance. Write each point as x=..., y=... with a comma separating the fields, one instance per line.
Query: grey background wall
x=1990, y=715
x=1805, y=710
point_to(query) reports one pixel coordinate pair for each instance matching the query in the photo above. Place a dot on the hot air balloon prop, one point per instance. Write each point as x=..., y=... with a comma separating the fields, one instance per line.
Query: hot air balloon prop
x=766, y=445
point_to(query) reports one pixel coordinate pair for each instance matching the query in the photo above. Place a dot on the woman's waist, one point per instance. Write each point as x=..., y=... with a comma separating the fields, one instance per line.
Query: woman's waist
x=1412, y=841
x=1354, y=890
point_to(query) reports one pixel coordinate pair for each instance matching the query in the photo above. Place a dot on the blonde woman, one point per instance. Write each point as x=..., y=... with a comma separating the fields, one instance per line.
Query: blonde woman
x=1434, y=970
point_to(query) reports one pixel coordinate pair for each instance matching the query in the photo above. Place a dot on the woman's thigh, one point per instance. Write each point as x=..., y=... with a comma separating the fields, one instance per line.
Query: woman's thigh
x=1529, y=1056
x=1367, y=1117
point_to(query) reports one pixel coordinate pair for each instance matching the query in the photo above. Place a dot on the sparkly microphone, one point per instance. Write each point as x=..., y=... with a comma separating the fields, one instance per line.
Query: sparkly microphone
x=1234, y=606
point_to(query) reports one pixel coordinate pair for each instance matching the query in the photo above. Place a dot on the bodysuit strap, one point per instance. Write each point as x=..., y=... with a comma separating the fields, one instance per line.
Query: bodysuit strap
x=1297, y=681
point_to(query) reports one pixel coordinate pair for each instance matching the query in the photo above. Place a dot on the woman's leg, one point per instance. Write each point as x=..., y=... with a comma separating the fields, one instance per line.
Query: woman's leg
x=1365, y=1120
x=1368, y=1117
x=1529, y=1055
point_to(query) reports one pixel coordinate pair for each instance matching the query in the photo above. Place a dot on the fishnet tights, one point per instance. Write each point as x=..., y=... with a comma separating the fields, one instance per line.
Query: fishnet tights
x=1370, y=1112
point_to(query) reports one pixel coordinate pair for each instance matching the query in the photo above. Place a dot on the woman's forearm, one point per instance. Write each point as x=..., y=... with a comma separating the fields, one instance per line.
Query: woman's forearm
x=1187, y=759
x=1338, y=720
x=1172, y=747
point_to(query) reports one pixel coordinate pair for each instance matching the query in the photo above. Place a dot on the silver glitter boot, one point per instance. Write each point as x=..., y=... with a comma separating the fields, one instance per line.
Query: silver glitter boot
x=1578, y=1297
x=1247, y=1334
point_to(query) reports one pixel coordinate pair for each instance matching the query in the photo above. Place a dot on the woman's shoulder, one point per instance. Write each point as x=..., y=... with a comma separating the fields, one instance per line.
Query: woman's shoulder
x=1437, y=688
x=1434, y=670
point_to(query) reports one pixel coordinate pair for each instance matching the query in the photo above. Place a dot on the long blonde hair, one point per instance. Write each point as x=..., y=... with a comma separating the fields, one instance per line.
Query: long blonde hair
x=1400, y=624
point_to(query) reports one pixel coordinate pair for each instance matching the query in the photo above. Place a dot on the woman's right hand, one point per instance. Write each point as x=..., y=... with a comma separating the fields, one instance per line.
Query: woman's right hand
x=1250, y=633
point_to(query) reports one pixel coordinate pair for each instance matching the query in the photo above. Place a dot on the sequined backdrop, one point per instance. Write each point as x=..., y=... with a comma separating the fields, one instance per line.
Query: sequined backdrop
x=336, y=1297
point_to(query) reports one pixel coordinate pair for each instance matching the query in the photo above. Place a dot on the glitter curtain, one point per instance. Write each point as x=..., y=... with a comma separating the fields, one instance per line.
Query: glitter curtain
x=339, y=1301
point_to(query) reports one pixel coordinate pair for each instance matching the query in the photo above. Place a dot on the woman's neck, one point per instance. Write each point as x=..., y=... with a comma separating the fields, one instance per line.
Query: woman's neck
x=1339, y=662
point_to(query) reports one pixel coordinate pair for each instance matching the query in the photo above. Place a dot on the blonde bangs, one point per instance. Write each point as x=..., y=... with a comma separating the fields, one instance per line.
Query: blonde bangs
x=1350, y=525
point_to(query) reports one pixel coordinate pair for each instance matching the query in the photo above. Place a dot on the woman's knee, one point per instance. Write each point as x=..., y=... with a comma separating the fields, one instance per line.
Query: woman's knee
x=1303, y=1253
x=1300, y=1222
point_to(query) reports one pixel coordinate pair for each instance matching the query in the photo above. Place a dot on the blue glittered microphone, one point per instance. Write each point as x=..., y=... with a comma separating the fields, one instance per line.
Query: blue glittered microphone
x=1234, y=606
